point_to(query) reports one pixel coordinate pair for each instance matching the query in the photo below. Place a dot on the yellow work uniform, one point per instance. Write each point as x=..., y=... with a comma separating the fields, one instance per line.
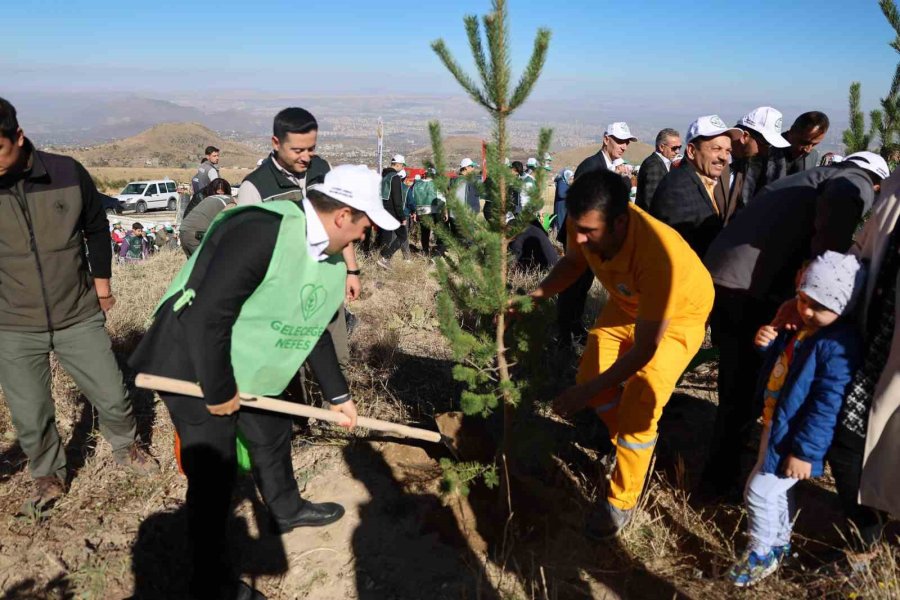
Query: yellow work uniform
x=655, y=276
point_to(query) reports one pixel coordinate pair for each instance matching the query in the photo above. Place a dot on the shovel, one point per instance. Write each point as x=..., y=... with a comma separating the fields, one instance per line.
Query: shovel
x=187, y=388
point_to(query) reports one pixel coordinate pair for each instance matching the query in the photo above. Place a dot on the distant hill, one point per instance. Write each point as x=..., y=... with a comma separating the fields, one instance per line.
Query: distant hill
x=166, y=145
x=571, y=157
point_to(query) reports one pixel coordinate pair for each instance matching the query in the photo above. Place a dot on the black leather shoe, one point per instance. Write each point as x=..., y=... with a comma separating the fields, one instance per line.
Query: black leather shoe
x=245, y=592
x=311, y=515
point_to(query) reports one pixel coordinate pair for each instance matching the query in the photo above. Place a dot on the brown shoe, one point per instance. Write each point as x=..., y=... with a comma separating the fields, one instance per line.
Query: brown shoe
x=136, y=459
x=47, y=490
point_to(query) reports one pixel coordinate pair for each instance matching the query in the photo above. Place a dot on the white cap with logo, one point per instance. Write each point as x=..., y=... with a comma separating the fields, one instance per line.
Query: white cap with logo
x=620, y=131
x=398, y=159
x=708, y=126
x=766, y=121
x=870, y=162
x=466, y=162
x=359, y=187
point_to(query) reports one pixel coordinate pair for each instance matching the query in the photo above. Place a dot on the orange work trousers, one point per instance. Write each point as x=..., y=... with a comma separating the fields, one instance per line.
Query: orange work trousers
x=632, y=414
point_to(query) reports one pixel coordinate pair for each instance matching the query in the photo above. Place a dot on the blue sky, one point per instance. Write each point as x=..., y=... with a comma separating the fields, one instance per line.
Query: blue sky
x=683, y=53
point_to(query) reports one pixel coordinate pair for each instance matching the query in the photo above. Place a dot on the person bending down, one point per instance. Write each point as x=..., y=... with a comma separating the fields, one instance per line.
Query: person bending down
x=660, y=296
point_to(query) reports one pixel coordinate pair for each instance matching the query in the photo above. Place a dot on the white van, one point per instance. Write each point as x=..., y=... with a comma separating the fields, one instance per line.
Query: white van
x=142, y=196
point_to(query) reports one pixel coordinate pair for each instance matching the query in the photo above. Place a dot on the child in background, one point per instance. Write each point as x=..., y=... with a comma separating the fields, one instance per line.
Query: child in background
x=804, y=380
x=135, y=248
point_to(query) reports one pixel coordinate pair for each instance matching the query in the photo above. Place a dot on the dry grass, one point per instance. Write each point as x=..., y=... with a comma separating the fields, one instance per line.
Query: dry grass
x=83, y=548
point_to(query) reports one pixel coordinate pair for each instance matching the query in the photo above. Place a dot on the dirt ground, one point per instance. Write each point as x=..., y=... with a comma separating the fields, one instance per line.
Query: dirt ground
x=119, y=536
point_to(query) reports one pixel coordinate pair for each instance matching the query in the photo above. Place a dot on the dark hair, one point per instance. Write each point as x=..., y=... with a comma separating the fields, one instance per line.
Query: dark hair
x=293, y=120
x=811, y=121
x=518, y=167
x=601, y=190
x=135, y=226
x=213, y=188
x=755, y=135
x=665, y=134
x=209, y=150
x=9, y=124
x=327, y=204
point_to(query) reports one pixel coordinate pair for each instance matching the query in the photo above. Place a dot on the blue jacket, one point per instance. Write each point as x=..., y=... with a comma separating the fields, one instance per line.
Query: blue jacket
x=807, y=410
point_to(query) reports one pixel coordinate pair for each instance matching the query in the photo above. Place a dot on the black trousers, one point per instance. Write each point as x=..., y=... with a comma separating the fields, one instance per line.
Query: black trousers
x=209, y=460
x=736, y=317
x=571, y=301
x=426, y=224
x=570, y=307
x=846, y=459
x=400, y=241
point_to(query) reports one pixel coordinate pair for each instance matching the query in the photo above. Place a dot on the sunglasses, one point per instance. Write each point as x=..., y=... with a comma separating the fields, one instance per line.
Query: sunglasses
x=675, y=148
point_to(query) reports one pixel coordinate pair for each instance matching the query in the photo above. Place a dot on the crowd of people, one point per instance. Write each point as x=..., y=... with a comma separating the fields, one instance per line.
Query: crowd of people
x=736, y=230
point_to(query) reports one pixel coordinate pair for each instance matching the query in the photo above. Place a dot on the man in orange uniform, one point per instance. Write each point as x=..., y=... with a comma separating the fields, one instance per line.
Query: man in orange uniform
x=654, y=321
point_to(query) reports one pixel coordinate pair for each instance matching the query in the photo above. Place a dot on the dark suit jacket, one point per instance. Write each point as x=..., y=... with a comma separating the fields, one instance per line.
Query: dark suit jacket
x=652, y=171
x=592, y=163
x=681, y=202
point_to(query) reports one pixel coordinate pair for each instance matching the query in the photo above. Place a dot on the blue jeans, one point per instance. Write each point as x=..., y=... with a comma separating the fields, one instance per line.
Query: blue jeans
x=770, y=505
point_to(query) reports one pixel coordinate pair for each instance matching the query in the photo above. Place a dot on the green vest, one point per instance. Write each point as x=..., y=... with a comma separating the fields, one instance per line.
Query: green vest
x=280, y=323
x=135, y=247
x=425, y=197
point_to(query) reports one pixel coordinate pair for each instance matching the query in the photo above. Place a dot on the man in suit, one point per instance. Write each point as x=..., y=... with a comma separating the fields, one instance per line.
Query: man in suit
x=687, y=198
x=616, y=139
x=657, y=165
x=570, y=306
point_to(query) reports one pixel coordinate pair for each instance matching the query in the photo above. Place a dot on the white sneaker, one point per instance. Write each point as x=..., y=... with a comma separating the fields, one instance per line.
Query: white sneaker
x=384, y=264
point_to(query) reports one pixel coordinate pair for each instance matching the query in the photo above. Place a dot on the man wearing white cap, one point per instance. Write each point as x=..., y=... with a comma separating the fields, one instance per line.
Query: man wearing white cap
x=243, y=314
x=393, y=196
x=616, y=139
x=686, y=198
x=467, y=189
x=570, y=307
x=754, y=264
x=755, y=166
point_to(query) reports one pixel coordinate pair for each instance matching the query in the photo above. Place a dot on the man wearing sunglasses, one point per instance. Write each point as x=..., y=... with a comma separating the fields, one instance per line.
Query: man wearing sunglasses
x=655, y=166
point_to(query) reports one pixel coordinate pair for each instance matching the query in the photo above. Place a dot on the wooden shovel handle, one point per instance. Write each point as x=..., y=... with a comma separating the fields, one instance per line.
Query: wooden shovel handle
x=187, y=388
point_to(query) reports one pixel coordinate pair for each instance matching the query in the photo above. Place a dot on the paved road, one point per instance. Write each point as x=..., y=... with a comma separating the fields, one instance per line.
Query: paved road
x=151, y=216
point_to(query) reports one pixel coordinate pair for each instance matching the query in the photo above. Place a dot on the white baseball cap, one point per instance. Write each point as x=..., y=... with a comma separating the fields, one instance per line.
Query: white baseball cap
x=398, y=159
x=620, y=131
x=532, y=162
x=466, y=162
x=708, y=126
x=870, y=162
x=766, y=121
x=359, y=187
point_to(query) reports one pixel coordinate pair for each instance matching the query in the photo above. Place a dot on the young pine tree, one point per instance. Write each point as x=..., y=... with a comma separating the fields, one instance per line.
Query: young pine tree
x=474, y=276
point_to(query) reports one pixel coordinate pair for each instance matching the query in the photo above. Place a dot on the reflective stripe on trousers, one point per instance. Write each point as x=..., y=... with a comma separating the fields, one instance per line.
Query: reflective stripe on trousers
x=632, y=418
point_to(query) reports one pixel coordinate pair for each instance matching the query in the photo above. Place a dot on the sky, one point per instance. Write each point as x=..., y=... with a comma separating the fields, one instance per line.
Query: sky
x=699, y=54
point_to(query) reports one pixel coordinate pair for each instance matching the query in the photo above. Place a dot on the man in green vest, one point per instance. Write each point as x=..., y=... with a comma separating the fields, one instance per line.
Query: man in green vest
x=427, y=209
x=249, y=307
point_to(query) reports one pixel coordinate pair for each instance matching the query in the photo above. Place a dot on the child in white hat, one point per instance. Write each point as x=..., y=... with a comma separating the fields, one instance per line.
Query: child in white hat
x=809, y=372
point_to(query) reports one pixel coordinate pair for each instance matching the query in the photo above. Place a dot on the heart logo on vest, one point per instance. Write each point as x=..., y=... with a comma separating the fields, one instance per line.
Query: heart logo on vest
x=312, y=298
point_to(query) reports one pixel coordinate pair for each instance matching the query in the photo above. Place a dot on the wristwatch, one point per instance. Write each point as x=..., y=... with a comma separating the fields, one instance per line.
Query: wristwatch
x=353, y=272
